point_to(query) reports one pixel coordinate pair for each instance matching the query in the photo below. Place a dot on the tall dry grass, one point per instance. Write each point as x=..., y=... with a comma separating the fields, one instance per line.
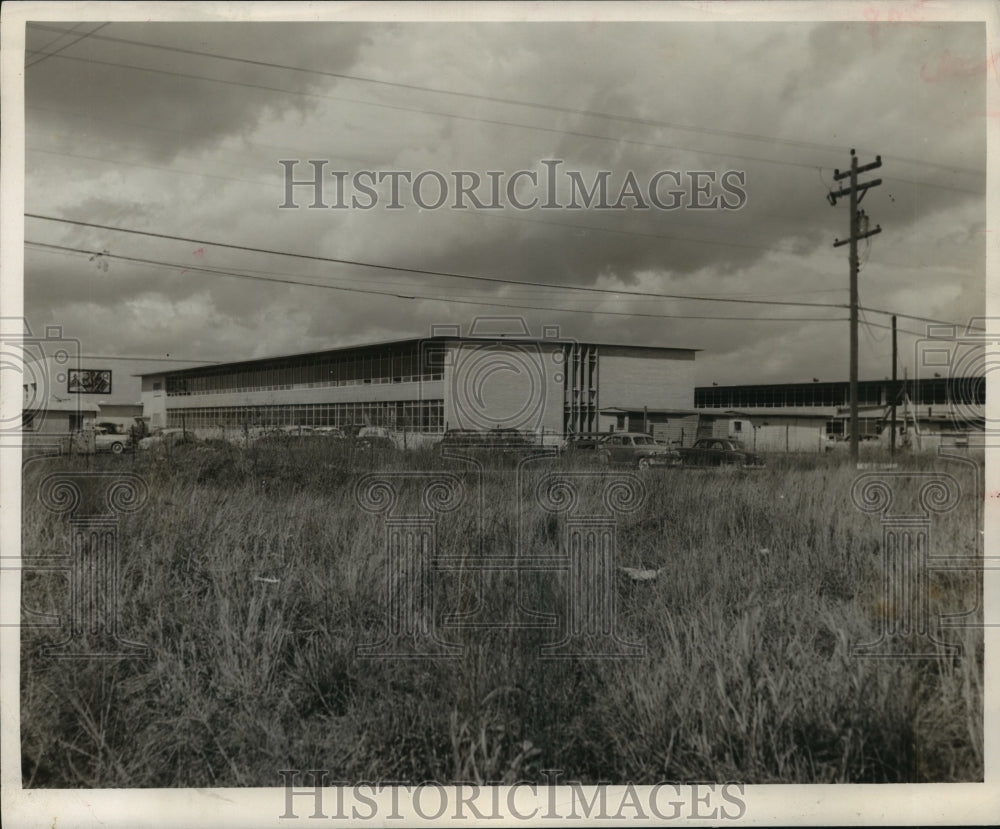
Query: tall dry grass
x=252, y=575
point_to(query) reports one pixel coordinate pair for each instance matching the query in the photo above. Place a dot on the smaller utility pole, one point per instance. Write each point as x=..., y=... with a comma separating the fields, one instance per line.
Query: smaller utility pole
x=894, y=392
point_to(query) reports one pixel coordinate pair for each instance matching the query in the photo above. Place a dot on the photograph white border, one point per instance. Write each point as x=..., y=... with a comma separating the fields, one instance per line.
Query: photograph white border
x=803, y=805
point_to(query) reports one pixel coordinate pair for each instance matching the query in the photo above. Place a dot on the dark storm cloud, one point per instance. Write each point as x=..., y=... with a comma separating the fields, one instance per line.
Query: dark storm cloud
x=174, y=100
x=186, y=157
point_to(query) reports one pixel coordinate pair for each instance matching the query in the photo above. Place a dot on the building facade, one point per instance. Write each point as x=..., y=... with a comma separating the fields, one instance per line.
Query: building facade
x=548, y=386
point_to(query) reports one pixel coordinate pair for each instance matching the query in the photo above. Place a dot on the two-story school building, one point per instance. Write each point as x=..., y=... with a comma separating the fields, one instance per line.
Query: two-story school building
x=549, y=386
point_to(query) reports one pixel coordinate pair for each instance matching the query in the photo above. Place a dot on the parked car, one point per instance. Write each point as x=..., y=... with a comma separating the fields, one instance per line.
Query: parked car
x=107, y=438
x=636, y=449
x=112, y=427
x=375, y=437
x=718, y=452
x=842, y=443
x=491, y=440
x=163, y=438
x=509, y=440
x=332, y=432
x=278, y=433
x=461, y=439
x=584, y=441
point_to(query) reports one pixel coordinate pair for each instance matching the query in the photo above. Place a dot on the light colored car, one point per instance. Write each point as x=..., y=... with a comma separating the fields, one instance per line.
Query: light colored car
x=636, y=449
x=166, y=437
x=334, y=432
x=842, y=443
x=107, y=439
x=277, y=433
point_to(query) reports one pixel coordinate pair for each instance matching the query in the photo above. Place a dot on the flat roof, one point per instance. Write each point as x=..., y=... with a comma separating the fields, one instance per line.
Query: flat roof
x=444, y=338
x=958, y=378
x=784, y=411
x=58, y=404
x=648, y=410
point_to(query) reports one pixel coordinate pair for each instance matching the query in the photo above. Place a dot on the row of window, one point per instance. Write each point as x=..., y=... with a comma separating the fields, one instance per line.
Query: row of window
x=413, y=415
x=942, y=391
x=834, y=394
x=312, y=370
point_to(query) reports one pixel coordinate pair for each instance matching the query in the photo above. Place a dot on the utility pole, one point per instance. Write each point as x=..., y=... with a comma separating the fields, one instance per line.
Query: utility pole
x=894, y=392
x=858, y=230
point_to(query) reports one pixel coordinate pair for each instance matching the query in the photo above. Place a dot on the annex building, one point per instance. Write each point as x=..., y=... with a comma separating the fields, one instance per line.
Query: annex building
x=804, y=416
x=548, y=385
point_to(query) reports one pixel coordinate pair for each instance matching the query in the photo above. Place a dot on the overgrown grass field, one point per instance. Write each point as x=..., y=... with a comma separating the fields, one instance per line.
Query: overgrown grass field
x=252, y=575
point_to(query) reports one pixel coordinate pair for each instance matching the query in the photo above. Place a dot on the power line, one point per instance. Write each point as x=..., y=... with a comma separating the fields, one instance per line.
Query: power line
x=399, y=289
x=560, y=294
x=397, y=295
x=61, y=49
x=510, y=101
x=918, y=319
x=900, y=330
x=51, y=43
x=491, y=121
x=868, y=329
x=427, y=272
x=500, y=280
x=90, y=356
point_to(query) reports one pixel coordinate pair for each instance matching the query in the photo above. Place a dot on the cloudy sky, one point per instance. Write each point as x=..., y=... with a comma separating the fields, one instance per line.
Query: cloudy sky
x=177, y=129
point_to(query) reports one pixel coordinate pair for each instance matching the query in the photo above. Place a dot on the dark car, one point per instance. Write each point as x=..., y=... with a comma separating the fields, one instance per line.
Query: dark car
x=718, y=452
x=584, y=441
x=163, y=439
x=375, y=438
x=492, y=440
x=509, y=439
x=636, y=449
x=461, y=439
